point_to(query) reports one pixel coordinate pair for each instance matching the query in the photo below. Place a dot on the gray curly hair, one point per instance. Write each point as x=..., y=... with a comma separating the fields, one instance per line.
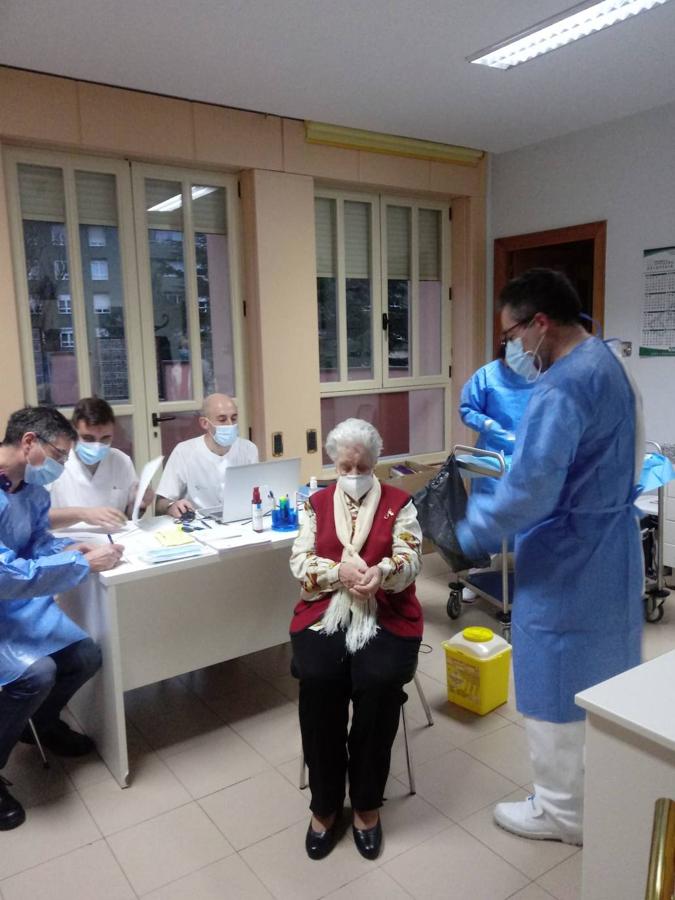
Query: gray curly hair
x=354, y=433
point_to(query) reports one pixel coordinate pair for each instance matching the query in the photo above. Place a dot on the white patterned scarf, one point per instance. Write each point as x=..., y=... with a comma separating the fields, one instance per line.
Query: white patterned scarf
x=358, y=617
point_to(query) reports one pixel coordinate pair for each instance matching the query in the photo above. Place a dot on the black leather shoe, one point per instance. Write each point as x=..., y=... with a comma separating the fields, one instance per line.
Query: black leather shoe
x=61, y=739
x=12, y=813
x=368, y=840
x=318, y=844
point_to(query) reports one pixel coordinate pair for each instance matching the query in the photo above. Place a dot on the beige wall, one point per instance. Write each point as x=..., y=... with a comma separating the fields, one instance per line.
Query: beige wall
x=11, y=395
x=281, y=303
x=279, y=170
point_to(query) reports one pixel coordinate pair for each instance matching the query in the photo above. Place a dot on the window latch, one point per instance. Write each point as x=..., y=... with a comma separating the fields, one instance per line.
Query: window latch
x=385, y=321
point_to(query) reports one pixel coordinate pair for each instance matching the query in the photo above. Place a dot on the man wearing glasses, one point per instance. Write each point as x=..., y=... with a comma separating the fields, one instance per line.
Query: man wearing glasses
x=44, y=656
x=568, y=499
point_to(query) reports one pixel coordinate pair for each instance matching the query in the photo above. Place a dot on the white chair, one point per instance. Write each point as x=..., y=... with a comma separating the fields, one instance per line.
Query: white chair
x=408, y=756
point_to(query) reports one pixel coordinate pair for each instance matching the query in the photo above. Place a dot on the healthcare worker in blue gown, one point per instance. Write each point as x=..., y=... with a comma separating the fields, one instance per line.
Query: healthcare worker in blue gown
x=44, y=656
x=492, y=403
x=568, y=499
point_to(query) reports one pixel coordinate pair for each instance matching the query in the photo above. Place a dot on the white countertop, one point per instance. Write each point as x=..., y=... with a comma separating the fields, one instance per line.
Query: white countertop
x=642, y=700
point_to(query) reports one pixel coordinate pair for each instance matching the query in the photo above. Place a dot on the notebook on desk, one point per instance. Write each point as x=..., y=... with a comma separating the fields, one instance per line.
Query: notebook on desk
x=278, y=477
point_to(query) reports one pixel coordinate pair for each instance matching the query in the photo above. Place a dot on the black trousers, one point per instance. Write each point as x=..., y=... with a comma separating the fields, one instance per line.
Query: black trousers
x=43, y=690
x=372, y=679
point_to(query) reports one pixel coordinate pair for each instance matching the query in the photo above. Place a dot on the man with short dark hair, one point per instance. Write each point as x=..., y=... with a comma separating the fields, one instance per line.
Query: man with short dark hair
x=44, y=656
x=99, y=483
x=568, y=499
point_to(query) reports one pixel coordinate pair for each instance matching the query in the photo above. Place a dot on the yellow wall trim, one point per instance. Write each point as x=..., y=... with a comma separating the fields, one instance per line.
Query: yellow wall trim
x=391, y=144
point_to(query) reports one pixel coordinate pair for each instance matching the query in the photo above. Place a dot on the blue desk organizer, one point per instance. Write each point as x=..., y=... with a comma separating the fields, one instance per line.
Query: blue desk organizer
x=284, y=519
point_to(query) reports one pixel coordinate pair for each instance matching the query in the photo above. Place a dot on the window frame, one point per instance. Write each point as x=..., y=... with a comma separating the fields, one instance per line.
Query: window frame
x=188, y=178
x=382, y=382
x=70, y=164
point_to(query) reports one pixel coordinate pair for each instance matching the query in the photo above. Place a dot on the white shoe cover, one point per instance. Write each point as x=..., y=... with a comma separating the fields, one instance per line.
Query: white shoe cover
x=527, y=819
x=468, y=596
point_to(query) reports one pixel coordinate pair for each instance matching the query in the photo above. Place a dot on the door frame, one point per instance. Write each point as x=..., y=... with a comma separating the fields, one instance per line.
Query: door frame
x=504, y=247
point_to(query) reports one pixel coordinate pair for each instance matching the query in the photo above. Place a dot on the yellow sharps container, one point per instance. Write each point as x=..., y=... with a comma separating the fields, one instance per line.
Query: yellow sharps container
x=477, y=665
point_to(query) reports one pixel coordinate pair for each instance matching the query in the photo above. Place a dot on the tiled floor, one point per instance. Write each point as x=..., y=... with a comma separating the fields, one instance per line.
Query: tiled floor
x=214, y=810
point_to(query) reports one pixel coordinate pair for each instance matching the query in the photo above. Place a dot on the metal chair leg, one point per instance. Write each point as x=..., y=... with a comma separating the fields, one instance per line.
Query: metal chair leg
x=45, y=762
x=423, y=700
x=408, y=756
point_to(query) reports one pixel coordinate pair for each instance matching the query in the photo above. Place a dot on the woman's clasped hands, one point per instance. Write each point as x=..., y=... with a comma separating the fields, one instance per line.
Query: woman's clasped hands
x=361, y=581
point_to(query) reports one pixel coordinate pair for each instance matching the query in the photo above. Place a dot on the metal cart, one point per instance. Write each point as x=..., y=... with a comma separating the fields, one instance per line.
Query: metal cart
x=494, y=585
x=651, y=528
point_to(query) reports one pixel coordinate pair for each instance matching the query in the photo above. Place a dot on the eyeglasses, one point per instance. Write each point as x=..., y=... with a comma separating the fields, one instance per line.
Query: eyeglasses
x=524, y=324
x=61, y=455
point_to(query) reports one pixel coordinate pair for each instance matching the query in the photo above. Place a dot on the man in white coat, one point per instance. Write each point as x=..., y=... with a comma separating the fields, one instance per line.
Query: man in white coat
x=194, y=474
x=99, y=483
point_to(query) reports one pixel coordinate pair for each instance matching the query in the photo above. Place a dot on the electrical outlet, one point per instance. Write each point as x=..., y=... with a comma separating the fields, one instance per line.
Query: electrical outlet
x=311, y=440
x=277, y=444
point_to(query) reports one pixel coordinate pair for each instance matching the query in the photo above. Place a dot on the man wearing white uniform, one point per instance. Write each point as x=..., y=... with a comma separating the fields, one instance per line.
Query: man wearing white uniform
x=195, y=472
x=99, y=483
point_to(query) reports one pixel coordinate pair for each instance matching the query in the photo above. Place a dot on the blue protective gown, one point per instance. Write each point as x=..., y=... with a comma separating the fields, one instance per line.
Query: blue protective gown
x=33, y=567
x=577, y=605
x=494, y=393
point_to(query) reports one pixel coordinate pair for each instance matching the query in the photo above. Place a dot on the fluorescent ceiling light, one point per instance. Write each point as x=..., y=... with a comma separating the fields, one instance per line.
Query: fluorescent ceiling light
x=568, y=26
x=177, y=201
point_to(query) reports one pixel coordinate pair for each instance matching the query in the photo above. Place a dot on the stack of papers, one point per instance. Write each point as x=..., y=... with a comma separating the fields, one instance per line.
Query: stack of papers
x=173, y=536
x=169, y=554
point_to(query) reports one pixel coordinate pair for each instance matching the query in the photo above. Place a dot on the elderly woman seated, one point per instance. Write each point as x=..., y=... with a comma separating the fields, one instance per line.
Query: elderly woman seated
x=355, y=635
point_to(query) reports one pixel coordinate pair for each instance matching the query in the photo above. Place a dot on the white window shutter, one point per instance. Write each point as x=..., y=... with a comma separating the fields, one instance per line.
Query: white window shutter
x=96, y=198
x=157, y=192
x=324, y=217
x=209, y=214
x=357, y=239
x=429, y=232
x=41, y=192
x=398, y=242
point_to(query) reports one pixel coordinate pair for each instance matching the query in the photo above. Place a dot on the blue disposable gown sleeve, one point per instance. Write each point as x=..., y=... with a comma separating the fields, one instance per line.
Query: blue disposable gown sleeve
x=44, y=568
x=473, y=403
x=549, y=436
x=43, y=542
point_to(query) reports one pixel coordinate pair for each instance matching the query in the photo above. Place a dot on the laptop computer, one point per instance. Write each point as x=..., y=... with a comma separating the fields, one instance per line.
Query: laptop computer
x=277, y=478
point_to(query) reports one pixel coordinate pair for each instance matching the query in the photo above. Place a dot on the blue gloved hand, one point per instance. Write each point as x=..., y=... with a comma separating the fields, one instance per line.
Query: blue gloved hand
x=500, y=438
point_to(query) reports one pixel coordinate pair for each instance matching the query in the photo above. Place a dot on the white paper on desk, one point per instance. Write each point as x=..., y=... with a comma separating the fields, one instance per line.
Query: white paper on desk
x=149, y=471
x=221, y=540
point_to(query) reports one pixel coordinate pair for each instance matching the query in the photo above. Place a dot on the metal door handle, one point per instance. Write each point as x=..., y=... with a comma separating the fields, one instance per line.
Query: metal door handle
x=156, y=419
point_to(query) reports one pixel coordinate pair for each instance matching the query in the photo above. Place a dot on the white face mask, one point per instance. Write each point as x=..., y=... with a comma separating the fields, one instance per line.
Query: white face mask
x=525, y=363
x=355, y=486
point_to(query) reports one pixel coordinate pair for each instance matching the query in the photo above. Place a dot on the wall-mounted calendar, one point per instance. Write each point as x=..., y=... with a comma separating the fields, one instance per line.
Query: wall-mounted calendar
x=658, y=311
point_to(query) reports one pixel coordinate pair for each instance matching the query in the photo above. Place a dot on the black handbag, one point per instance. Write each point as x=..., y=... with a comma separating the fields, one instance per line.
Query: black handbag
x=441, y=505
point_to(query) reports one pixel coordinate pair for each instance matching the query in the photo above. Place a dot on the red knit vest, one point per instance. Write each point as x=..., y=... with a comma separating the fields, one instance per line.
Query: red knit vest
x=398, y=613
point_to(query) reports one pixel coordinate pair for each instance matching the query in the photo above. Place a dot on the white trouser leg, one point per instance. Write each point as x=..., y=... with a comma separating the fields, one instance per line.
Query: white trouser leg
x=557, y=754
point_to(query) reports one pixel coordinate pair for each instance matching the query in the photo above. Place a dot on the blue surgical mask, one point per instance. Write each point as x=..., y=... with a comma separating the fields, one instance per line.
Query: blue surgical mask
x=225, y=435
x=523, y=362
x=91, y=452
x=43, y=474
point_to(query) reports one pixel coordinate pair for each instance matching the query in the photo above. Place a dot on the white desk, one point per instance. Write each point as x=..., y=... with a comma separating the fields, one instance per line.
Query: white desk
x=158, y=621
x=630, y=763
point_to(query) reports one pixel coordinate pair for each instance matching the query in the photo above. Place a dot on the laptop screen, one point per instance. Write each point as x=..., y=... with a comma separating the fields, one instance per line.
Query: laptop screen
x=275, y=479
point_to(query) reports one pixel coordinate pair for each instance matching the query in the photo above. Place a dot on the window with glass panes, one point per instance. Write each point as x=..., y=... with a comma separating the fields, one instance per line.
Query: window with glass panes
x=383, y=310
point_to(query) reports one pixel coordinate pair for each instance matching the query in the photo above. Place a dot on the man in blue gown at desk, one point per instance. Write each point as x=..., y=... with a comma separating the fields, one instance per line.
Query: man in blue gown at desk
x=568, y=499
x=44, y=656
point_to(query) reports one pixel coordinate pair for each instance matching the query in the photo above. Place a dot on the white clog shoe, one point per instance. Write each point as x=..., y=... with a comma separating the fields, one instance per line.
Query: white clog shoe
x=527, y=819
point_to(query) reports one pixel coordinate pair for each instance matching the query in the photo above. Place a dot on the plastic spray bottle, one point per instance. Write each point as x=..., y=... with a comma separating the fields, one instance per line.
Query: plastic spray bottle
x=257, y=519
